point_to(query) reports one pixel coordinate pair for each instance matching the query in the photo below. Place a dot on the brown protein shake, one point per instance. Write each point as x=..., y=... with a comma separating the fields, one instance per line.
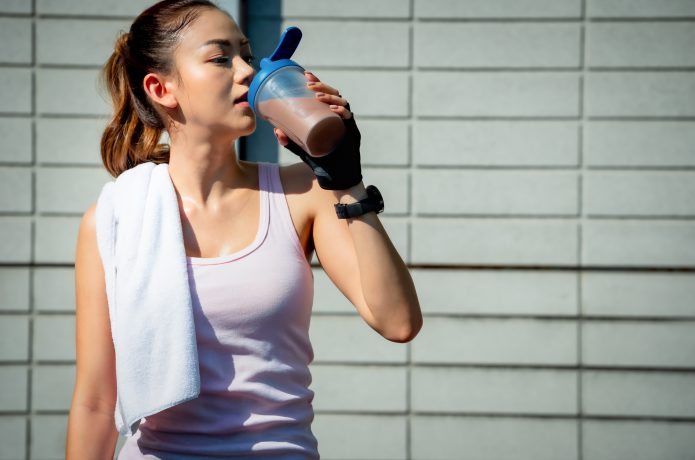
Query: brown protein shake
x=307, y=121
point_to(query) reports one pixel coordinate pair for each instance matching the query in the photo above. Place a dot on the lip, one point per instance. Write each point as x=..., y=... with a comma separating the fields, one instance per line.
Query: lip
x=242, y=98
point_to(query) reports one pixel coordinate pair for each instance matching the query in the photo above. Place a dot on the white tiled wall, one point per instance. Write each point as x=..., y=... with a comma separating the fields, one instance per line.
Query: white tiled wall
x=536, y=159
x=542, y=154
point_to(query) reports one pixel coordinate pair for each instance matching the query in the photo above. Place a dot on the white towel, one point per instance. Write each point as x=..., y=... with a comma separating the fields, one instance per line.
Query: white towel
x=141, y=245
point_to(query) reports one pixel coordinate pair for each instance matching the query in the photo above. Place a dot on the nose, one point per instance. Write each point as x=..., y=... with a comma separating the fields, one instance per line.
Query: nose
x=244, y=72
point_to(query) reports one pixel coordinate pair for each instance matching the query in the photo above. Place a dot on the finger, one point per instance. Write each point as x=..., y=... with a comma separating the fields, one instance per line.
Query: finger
x=310, y=76
x=331, y=99
x=281, y=136
x=344, y=113
x=323, y=88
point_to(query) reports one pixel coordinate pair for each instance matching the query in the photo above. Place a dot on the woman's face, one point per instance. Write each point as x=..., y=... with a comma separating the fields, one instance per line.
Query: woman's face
x=212, y=60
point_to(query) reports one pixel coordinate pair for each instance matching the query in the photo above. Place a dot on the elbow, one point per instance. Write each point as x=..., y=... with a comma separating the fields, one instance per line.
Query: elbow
x=406, y=334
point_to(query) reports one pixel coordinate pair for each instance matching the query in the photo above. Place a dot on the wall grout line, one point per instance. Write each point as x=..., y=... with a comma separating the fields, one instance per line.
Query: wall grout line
x=409, y=227
x=580, y=228
x=32, y=248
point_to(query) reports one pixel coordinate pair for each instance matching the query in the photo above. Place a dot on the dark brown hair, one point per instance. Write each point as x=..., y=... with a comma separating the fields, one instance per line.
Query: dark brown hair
x=132, y=135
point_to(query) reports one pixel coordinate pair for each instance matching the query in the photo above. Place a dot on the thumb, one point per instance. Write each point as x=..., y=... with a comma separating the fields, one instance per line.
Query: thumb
x=281, y=137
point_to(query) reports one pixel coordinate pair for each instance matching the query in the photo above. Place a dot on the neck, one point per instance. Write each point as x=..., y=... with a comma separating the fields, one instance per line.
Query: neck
x=206, y=173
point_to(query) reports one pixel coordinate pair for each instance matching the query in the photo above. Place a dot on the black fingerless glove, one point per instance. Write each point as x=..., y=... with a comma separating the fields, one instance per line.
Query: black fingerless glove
x=341, y=168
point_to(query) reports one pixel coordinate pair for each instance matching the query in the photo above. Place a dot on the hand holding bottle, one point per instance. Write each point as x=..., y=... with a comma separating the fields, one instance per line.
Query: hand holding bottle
x=341, y=168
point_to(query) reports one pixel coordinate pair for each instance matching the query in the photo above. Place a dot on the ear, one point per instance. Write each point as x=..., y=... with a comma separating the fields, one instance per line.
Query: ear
x=160, y=90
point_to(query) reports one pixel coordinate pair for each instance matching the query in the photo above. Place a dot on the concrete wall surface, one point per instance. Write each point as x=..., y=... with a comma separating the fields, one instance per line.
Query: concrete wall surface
x=537, y=161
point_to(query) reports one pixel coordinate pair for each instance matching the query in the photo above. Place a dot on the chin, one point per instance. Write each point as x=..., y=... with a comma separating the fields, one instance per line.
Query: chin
x=250, y=128
x=252, y=124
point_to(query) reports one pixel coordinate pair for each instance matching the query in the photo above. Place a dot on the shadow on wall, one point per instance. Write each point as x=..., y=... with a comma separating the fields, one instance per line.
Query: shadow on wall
x=262, y=24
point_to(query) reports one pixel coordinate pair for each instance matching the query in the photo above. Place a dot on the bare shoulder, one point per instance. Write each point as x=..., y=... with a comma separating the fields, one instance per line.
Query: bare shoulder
x=88, y=264
x=87, y=251
x=300, y=176
x=299, y=182
x=302, y=190
x=88, y=224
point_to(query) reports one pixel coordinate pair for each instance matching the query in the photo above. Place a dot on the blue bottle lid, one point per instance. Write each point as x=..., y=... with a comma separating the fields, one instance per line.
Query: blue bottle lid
x=289, y=41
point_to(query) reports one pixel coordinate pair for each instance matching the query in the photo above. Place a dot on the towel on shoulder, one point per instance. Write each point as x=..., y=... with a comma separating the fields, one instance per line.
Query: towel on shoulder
x=152, y=326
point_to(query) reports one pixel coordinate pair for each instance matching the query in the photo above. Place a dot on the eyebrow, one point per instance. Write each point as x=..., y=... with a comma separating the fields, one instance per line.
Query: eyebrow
x=224, y=42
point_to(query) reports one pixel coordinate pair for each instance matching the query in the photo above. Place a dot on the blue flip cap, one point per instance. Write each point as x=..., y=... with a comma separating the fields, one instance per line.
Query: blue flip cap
x=289, y=41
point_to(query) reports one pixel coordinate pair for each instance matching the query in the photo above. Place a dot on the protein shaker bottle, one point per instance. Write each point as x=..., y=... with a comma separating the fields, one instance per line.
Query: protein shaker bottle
x=278, y=93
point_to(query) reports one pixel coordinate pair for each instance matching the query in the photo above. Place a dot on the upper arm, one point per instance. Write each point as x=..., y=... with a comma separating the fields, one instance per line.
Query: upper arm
x=336, y=252
x=95, y=384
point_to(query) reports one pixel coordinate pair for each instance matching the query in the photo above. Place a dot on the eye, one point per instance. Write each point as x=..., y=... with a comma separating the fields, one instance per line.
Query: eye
x=220, y=60
x=249, y=59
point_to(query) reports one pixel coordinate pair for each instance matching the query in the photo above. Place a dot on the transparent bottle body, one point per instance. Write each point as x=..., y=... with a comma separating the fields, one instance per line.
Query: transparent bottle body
x=285, y=100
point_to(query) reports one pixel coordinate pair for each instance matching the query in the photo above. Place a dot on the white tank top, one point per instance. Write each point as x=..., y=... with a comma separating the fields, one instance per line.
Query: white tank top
x=252, y=311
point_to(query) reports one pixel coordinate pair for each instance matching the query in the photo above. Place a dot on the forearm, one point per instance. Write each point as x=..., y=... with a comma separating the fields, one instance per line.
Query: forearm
x=387, y=286
x=91, y=434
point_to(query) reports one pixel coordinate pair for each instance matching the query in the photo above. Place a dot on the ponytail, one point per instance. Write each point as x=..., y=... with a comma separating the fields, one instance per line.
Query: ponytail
x=127, y=141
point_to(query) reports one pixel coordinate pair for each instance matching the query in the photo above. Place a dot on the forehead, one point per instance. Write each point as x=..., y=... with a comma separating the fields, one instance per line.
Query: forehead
x=211, y=24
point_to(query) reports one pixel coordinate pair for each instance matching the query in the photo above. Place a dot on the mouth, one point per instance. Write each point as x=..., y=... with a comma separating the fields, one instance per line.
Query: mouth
x=242, y=98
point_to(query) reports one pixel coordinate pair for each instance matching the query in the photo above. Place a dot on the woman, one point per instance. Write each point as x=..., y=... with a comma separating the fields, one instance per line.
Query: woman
x=184, y=68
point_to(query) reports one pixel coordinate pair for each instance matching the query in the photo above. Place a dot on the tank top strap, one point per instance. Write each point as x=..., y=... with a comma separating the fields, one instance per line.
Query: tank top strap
x=281, y=222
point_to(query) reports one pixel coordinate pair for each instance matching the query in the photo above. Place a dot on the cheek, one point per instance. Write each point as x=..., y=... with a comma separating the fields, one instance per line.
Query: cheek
x=206, y=81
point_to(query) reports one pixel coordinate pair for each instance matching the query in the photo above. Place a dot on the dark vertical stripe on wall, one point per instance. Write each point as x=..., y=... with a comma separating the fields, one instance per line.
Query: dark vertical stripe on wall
x=243, y=24
x=263, y=23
